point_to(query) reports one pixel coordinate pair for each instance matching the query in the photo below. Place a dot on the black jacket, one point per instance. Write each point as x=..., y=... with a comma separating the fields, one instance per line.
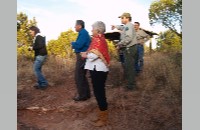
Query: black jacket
x=39, y=45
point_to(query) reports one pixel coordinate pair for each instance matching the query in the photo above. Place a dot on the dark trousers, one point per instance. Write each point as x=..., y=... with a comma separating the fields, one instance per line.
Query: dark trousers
x=121, y=57
x=122, y=60
x=80, y=77
x=130, y=59
x=98, y=82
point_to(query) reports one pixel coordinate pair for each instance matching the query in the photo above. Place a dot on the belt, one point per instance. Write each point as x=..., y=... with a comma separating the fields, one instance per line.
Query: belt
x=139, y=44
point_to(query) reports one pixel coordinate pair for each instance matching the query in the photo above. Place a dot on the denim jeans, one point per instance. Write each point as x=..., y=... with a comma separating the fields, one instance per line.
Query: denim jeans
x=39, y=61
x=140, y=61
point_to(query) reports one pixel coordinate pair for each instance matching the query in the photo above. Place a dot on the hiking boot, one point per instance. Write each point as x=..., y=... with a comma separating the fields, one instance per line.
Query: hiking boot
x=102, y=119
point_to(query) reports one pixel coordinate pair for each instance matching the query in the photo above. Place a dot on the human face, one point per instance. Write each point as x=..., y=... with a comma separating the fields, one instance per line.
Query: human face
x=124, y=20
x=136, y=26
x=77, y=27
x=94, y=32
x=32, y=33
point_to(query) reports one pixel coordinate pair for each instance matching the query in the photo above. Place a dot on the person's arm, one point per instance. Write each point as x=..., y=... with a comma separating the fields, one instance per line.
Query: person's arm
x=80, y=41
x=92, y=56
x=39, y=42
x=118, y=27
x=146, y=36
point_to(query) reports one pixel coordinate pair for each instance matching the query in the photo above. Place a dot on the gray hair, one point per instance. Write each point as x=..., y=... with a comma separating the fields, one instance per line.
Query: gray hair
x=99, y=26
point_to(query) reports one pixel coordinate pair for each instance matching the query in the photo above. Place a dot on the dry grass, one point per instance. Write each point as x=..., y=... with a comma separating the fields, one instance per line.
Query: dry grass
x=55, y=69
x=161, y=93
x=157, y=105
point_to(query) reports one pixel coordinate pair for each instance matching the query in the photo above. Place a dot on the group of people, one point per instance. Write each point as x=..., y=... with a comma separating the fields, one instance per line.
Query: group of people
x=92, y=56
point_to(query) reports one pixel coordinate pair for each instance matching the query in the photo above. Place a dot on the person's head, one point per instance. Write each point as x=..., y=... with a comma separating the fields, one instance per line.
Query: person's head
x=33, y=30
x=125, y=18
x=136, y=25
x=79, y=25
x=98, y=28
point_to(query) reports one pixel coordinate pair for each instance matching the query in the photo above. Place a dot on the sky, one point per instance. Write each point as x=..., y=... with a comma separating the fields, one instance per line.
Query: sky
x=56, y=16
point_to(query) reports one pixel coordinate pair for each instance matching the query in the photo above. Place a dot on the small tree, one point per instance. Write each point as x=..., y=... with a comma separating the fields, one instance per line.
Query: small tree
x=169, y=42
x=168, y=13
x=23, y=37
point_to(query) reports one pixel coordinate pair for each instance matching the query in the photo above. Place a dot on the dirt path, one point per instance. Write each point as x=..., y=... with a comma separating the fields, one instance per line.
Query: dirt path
x=54, y=109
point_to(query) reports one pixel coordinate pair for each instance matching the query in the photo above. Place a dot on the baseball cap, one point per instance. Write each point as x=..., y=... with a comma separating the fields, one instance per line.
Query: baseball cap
x=127, y=15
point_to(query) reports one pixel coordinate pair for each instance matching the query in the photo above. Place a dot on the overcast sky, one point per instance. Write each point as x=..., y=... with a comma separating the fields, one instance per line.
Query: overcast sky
x=56, y=16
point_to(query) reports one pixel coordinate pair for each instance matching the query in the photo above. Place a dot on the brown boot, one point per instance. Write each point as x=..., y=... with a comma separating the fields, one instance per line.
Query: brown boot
x=97, y=115
x=102, y=119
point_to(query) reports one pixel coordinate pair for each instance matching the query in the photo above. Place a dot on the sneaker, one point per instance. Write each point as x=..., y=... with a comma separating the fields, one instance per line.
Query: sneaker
x=40, y=87
x=36, y=86
x=130, y=88
x=77, y=98
x=43, y=87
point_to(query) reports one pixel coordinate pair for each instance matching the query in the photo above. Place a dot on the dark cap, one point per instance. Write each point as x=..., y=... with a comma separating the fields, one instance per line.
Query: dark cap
x=127, y=15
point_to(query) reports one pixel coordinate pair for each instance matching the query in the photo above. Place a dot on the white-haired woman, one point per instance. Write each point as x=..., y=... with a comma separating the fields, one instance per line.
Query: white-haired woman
x=97, y=63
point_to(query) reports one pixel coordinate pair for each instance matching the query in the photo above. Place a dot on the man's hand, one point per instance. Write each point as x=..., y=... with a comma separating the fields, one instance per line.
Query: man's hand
x=113, y=27
x=30, y=48
x=118, y=46
x=84, y=54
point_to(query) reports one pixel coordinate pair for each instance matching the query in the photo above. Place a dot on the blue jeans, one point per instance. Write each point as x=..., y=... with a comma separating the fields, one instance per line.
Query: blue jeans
x=39, y=61
x=140, y=61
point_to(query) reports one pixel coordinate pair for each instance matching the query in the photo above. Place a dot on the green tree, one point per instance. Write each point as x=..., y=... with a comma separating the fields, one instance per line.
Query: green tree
x=24, y=40
x=168, y=13
x=169, y=42
x=62, y=46
x=112, y=50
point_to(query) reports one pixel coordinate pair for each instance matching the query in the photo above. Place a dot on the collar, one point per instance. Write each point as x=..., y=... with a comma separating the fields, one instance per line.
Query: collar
x=39, y=34
x=36, y=36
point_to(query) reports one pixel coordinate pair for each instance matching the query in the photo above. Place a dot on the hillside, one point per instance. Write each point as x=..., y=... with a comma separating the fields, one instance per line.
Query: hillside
x=155, y=105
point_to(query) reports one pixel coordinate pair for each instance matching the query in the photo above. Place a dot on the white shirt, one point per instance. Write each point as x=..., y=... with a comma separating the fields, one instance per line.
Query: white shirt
x=93, y=61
